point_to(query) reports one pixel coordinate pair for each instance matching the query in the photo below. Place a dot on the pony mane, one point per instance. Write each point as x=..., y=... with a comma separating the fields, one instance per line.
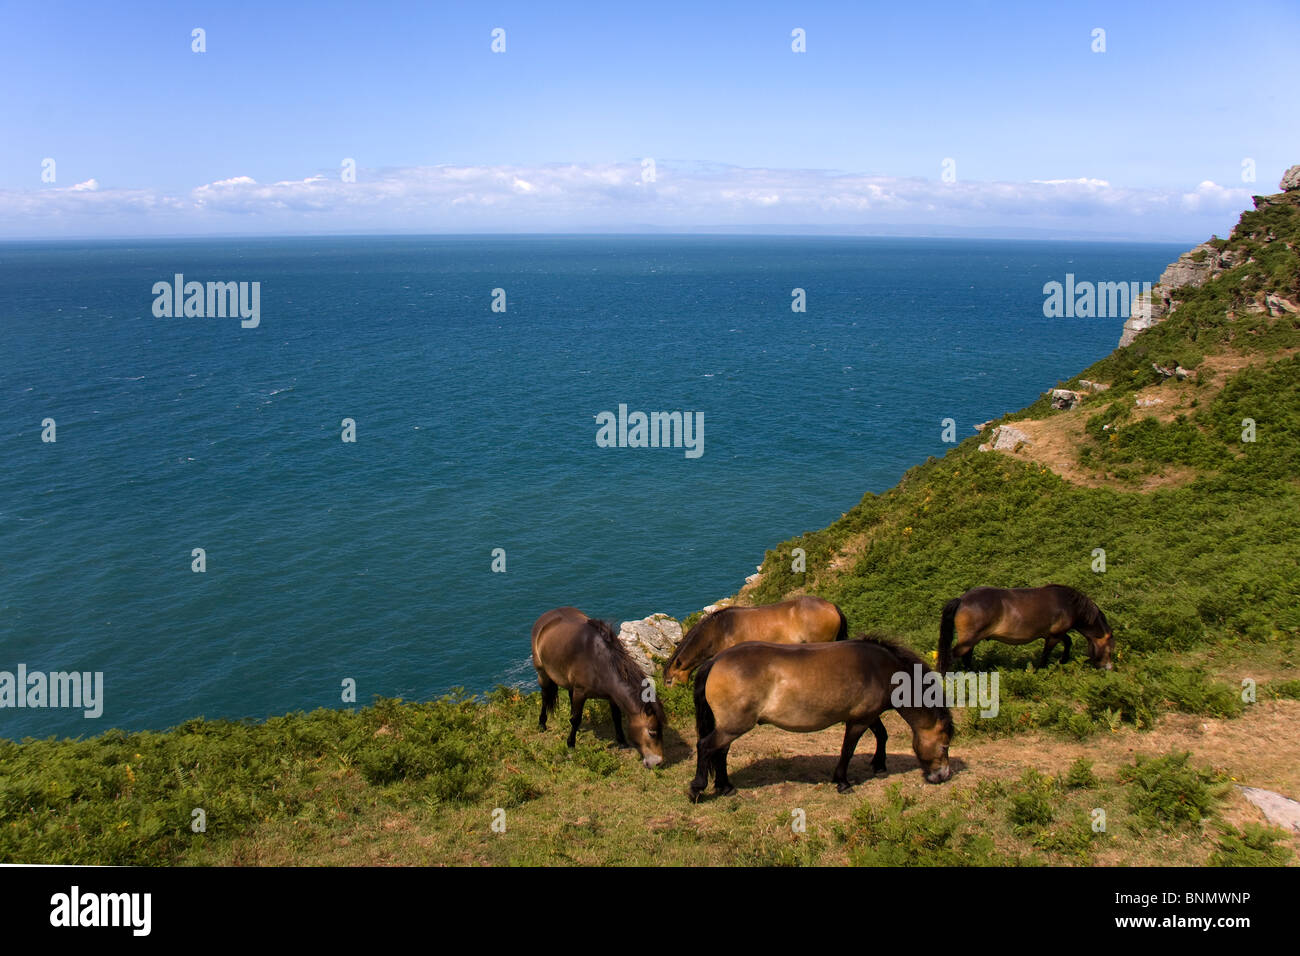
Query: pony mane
x=908, y=658
x=629, y=672
x=895, y=647
x=693, y=636
x=1084, y=608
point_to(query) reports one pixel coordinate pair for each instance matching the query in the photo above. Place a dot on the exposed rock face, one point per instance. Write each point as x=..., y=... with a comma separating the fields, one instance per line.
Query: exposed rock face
x=1193, y=268
x=1147, y=311
x=1290, y=179
x=1176, y=372
x=1277, y=305
x=1092, y=386
x=1005, y=438
x=1063, y=398
x=655, y=636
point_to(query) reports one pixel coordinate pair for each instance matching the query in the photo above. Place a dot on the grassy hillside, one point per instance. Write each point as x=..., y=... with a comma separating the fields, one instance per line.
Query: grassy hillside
x=1201, y=585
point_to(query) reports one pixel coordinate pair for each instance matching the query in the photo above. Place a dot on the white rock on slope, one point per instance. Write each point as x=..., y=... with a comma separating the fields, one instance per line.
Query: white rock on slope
x=1278, y=810
x=655, y=636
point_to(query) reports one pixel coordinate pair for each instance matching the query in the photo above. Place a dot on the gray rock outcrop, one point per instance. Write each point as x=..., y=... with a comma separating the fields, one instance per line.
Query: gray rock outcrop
x=656, y=636
x=1290, y=179
x=1005, y=438
x=1193, y=268
x=1063, y=398
x=1147, y=311
x=1277, y=305
x=1177, y=371
x=1278, y=810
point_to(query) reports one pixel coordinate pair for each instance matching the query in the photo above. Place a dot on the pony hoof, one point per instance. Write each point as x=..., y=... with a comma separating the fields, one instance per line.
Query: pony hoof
x=728, y=791
x=879, y=771
x=694, y=794
x=843, y=786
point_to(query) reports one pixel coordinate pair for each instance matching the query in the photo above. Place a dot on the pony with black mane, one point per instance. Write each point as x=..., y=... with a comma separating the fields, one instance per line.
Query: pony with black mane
x=808, y=687
x=801, y=620
x=1021, y=615
x=585, y=657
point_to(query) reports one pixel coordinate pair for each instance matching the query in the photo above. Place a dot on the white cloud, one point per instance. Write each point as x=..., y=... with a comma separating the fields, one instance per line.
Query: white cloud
x=614, y=197
x=1209, y=194
x=1082, y=181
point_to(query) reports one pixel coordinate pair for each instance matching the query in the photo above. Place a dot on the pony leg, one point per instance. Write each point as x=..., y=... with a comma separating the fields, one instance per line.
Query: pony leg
x=549, y=692
x=576, y=702
x=964, y=647
x=1065, y=654
x=618, y=724
x=882, y=735
x=721, y=782
x=1048, y=643
x=702, y=763
x=852, y=734
x=711, y=754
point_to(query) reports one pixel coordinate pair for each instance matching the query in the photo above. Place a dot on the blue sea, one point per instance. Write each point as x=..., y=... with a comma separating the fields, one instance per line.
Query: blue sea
x=475, y=430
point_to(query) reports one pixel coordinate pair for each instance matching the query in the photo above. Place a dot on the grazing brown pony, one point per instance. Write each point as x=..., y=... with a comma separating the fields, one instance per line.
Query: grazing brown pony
x=1021, y=615
x=808, y=687
x=585, y=657
x=801, y=620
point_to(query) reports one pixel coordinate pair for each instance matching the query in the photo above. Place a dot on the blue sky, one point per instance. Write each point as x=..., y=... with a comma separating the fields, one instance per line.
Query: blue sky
x=1145, y=140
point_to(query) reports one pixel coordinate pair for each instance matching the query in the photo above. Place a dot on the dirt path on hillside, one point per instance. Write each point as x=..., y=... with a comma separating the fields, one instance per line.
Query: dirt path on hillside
x=1054, y=442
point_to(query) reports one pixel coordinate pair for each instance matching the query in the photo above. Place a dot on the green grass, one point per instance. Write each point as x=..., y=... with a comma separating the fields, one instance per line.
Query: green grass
x=1080, y=775
x=1255, y=845
x=898, y=832
x=420, y=783
x=1169, y=793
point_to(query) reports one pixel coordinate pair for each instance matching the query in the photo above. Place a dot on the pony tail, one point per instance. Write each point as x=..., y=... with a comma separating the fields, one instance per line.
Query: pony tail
x=550, y=694
x=946, y=626
x=705, y=722
x=843, y=634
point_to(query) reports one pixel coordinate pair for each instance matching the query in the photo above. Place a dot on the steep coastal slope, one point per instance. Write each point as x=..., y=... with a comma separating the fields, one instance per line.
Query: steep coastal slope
x=1177, y=456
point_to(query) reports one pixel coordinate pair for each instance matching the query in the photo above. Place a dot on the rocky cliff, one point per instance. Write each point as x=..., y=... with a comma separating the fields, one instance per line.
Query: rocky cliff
x=1194, y=268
